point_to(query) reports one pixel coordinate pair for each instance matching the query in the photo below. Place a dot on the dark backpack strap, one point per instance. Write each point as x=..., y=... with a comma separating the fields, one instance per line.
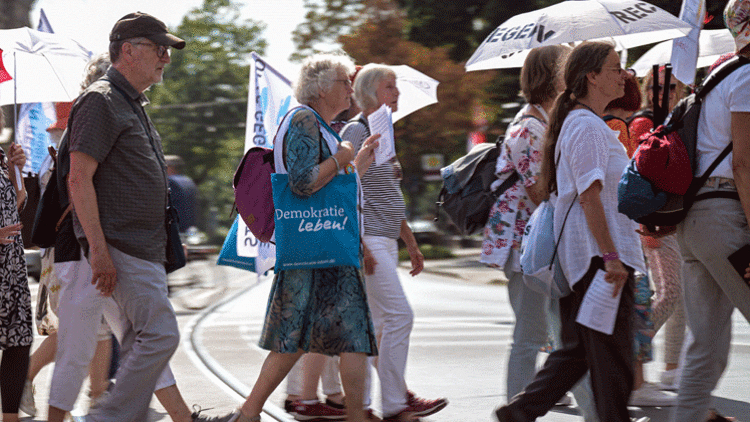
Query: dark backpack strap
x=609, y=117
x=706, y=86
x=565, y=220
x=514, y=177
x=507, y=183
x=649, y=114
x=719, y=74
x=531, y=116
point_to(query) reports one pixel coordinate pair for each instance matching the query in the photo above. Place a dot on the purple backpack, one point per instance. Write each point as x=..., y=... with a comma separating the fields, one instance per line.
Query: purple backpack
x=253, y=193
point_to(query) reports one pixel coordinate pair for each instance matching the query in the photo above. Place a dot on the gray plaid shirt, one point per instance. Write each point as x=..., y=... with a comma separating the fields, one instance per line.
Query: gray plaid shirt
x=131, y=180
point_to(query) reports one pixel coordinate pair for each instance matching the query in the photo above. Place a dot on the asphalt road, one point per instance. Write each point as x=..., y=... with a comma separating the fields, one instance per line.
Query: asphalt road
x=459, y=346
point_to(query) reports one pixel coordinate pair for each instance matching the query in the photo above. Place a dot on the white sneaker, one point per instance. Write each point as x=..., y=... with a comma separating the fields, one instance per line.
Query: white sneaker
x=566, y=400
x=649, y=395
x=27, y=404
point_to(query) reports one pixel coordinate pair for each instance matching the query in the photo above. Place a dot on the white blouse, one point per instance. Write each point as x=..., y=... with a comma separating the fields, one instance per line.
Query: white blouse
x=589, y=151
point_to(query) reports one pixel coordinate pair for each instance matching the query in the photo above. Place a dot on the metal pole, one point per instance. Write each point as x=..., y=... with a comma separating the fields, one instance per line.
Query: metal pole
x=19, y=178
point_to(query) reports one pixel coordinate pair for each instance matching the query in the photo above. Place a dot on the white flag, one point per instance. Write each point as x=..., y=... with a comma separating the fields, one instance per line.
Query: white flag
x=269, y=98
x=33, y=121
x=685, y=49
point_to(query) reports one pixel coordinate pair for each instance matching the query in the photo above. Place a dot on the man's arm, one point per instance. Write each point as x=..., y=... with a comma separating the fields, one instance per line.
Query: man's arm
x=83, y=197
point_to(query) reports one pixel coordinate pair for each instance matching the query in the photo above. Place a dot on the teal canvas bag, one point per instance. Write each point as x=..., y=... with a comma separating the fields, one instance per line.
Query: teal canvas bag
x=318, y=231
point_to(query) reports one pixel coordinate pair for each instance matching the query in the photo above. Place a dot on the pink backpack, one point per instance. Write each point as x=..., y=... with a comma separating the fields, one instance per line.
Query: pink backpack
x=253, y=193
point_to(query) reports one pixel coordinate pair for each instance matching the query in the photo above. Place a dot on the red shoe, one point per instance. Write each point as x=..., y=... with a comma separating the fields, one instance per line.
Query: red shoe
x=317, y=411
x=417, y=407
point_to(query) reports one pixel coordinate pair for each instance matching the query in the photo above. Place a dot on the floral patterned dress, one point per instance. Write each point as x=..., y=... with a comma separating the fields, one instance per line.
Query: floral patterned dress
x=521, y=151
x=15, y=298
x=321, y=310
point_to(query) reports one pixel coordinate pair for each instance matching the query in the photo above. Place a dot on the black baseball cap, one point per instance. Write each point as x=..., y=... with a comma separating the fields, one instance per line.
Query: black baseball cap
x=141, y=24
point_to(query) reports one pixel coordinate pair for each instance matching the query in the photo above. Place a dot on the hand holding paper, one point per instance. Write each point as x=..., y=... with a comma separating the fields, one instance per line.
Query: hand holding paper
x=599, y=307
x=381, y=122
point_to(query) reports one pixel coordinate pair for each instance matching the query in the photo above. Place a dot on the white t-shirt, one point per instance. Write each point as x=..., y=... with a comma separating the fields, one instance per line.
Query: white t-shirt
x=589, y=151
x=715, y=123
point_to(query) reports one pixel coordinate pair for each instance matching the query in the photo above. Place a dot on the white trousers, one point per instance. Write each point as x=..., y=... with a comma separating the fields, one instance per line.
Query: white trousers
x=392, y=318
x=80, y=314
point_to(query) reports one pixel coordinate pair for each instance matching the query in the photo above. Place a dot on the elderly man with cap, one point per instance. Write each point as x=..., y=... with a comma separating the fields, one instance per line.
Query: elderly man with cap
x=117, y=183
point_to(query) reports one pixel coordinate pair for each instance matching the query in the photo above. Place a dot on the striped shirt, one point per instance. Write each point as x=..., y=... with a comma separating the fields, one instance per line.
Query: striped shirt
x=384, y=207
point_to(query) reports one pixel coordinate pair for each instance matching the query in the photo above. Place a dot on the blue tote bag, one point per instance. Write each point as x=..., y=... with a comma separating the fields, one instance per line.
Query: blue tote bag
x=318, y=231
x=228, y=255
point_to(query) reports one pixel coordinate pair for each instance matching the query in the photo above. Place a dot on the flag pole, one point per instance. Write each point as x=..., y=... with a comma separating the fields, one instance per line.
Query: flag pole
x=19, y=179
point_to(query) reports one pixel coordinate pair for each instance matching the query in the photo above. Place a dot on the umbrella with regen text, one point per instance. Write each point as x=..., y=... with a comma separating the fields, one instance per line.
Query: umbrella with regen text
x=629, y=22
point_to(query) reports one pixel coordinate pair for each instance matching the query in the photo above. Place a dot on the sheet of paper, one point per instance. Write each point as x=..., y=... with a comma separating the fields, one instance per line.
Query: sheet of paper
x=381, y=122
x=598, y=310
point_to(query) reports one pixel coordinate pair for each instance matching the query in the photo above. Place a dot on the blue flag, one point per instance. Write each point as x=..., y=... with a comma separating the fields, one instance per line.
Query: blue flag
x=33, y=121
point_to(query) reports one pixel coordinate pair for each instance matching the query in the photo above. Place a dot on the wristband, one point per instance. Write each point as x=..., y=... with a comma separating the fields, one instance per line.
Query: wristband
x=610, y=256
x=337, y=163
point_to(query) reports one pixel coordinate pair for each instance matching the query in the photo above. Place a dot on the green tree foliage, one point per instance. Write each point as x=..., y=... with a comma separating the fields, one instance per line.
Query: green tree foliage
x=200, y=109
x=324, y=21
x=438, y=128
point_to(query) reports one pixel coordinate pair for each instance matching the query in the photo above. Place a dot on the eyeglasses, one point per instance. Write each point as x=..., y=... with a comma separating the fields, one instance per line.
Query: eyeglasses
x=617, y=69
x=346, y=82
x=161, y=50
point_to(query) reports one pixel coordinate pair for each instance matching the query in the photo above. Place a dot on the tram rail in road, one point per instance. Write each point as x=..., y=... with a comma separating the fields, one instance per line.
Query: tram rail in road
x=214, y=370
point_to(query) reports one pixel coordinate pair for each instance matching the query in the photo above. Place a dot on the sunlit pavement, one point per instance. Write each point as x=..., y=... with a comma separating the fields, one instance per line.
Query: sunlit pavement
x=459, y=346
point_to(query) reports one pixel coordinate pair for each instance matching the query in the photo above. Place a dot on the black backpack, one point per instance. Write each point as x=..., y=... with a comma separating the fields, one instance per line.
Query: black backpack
x=466, y=195
x=684, y=121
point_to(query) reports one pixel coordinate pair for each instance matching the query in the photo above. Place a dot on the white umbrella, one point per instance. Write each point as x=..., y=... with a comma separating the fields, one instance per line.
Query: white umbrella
x=712, y=43
x=416, y=90
x=45, y=67
x=630, y=22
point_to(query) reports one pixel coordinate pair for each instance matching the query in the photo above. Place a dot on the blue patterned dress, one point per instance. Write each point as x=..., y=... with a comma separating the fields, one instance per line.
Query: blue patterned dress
x=322, y=310
x=15, y=298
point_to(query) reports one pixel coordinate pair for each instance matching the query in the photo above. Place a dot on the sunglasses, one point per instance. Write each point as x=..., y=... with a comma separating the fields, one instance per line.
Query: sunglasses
x=161, y=50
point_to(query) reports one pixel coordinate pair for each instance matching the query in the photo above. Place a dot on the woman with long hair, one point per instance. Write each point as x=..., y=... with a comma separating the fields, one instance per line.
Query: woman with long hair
x=521, y=152
x=599, y=248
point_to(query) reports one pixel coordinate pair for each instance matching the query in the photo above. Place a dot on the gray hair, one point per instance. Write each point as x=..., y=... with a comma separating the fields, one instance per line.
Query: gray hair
x=115, y=47
x=318, y=73
x=95, y=69
x=366, y=84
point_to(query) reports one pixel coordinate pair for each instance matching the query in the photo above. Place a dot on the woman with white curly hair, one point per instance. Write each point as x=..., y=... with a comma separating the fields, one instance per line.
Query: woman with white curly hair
x=304, y=302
